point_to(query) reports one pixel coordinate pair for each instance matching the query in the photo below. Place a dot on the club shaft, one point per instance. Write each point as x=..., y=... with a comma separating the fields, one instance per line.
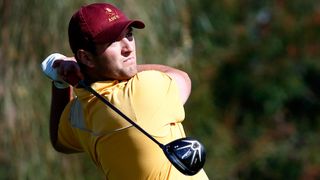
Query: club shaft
x=88, y=88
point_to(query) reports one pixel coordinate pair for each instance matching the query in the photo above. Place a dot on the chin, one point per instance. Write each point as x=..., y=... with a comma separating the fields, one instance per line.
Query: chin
x=132, y=71
x=127, y=76
x=133, y=74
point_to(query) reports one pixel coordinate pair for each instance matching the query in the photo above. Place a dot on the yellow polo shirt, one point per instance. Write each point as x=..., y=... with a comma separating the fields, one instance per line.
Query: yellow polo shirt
x=122, y=152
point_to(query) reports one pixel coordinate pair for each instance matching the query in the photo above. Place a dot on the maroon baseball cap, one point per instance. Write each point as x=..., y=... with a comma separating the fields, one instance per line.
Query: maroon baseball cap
x=98, y=23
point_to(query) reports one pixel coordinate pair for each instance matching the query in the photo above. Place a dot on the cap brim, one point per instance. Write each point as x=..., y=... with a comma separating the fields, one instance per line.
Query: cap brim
x=136, y=24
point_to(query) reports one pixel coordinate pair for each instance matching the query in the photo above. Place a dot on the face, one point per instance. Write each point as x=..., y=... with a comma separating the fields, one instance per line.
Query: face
x=116, y=60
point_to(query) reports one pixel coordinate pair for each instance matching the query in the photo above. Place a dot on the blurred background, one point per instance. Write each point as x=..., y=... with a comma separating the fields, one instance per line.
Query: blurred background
x=255, y=68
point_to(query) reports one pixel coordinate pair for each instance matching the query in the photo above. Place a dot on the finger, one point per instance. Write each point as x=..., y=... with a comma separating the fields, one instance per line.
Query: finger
x=74, y=70
x=71, y=59
x=60, y=69
x=56, y=63
x=72, y=80
x=78, y=72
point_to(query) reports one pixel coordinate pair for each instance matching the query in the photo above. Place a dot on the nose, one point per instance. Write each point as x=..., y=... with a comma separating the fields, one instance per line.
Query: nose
x=126, y=46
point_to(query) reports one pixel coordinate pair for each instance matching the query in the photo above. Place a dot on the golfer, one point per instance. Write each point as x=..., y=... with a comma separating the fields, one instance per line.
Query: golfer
x=101, y=38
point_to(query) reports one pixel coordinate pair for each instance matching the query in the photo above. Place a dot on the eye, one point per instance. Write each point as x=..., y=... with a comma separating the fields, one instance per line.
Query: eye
x=129, y=35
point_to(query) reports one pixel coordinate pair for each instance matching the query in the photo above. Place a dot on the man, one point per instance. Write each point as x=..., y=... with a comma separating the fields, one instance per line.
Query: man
x=101, y=38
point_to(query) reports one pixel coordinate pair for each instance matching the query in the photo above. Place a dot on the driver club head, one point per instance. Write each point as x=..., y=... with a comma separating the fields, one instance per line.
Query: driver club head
x=186, y=154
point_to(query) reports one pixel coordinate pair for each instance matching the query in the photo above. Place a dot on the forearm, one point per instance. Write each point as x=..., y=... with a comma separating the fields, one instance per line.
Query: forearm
x=157, y=67
x=163, y=68
x=59, y=100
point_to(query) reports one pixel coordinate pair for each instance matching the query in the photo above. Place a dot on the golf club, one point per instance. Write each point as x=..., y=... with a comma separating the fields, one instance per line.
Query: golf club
x=186, y=154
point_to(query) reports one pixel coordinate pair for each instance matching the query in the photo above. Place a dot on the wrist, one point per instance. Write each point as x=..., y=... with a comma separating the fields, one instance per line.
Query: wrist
x=56, y=89
x=60, y=85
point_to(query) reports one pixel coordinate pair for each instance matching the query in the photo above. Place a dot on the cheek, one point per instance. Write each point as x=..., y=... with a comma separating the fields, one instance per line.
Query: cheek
x=112, y=54
x=109, y=62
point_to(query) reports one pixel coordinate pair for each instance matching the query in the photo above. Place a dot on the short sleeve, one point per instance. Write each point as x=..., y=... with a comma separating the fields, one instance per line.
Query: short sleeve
x=67, y=136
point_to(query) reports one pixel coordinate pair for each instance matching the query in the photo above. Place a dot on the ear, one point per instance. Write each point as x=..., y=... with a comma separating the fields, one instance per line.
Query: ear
x=85, y=58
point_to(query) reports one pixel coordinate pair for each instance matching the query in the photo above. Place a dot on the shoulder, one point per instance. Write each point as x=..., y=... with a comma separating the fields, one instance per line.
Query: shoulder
x=151, y=80
x=151, y=77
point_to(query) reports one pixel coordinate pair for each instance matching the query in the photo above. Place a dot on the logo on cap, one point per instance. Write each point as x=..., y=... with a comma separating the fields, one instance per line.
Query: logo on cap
x=111, y=15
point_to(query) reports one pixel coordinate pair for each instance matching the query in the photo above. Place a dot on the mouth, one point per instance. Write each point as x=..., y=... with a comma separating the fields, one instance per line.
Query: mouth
x=130, y=59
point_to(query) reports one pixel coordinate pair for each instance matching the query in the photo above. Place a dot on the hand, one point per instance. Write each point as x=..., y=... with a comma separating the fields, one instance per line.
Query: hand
x=68, y=69
x=62, y=70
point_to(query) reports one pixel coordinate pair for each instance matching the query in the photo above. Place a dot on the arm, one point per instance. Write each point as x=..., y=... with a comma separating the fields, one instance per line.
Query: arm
x=59, y=100
x=63, y=71
x=182, y=78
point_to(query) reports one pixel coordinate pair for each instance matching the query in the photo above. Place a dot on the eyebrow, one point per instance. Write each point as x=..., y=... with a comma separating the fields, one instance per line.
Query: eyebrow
x=125, y=32
x=129, y=29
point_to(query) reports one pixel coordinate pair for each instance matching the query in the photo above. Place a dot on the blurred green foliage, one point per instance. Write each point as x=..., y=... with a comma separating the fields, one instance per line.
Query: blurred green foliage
x=256, y=83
